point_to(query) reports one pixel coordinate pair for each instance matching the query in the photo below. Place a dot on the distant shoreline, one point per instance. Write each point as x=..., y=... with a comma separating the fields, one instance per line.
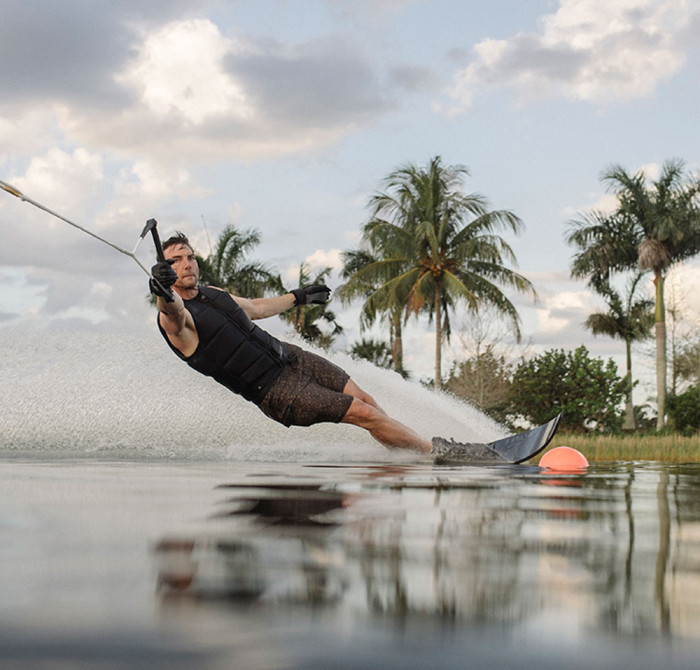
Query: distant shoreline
x=643, y=447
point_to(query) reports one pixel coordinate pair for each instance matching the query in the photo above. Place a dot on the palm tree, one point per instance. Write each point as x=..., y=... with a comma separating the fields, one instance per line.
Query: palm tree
x=228, y=268
x=304, y=318
x=438, y=248
x=362, y=282
x=654, y=226
x=374, y=351
x=629, y=320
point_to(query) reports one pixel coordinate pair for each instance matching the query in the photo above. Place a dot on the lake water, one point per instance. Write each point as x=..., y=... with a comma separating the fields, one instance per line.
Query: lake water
x=149, y=521
x=352, y=565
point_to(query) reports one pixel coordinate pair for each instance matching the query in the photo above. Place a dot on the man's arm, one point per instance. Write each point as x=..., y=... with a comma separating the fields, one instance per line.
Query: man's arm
x=178, y=324
x=174, y=319
x=261, y=308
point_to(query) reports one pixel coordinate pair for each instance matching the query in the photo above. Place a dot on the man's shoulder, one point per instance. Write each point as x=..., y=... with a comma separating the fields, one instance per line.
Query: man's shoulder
x=217, y=296
x=209, y=291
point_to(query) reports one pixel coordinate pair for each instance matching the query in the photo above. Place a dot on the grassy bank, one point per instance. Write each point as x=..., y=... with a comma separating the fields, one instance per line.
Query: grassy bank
x=647, y=447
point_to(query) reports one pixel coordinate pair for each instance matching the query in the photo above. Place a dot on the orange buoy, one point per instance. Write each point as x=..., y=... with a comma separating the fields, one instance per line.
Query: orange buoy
x=563, y=459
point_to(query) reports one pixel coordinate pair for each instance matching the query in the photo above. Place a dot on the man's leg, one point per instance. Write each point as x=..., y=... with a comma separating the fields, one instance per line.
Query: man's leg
x=351, y=388
x=365, y=412
x=324, y=397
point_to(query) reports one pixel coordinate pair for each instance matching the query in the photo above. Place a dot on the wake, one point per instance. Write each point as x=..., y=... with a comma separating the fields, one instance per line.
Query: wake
x=128, y=397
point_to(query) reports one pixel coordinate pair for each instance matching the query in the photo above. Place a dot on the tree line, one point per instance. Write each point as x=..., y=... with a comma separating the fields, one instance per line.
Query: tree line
x=429, y=250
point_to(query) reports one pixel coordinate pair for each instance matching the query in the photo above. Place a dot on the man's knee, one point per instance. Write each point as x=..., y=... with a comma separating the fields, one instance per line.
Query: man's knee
x=351, y=388
x=362, y=413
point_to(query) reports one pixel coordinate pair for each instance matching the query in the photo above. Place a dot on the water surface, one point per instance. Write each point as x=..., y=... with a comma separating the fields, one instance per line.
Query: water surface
x=150, y=519
x=316, y=564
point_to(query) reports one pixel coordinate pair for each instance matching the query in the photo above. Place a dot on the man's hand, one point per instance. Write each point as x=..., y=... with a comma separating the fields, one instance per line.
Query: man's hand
x=318, y=294
x=163, y=278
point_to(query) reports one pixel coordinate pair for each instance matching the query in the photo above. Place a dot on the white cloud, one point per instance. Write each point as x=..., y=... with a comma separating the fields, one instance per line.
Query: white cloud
x=179, y=69
x=569, y=300
x=563, y=310
x=179, y=89
x=82, y=186
x=606, y=203
x=25, y=132
x=192, y=93
x=592, y=50
x=101, y=290
x=317, y=261
x=323, y=258
x=66, y=180
x=154, y=182
x=20, y=295
x=548, y=323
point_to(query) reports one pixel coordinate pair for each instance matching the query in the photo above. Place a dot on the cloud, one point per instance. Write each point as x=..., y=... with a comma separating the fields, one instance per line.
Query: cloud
x=20, y=296
x=562, y=307
x=26, y=132
x=135, y=81
x=158, y=79
x=222, y=97
x=75, y=185
x=325, y=258
x=143, y=186
x=179, y=71
x=317, y=261
x=65, y=182
x=563, y=310
x=415, y=78
x=64, y=179
x=43, y=51
x=592, y=50
x=323, y=84
x=68, y=51
x=605, y=203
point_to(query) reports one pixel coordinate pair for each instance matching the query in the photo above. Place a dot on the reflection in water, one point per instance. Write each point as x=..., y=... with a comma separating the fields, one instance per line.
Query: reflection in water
x=614, y=550
x=279, y=549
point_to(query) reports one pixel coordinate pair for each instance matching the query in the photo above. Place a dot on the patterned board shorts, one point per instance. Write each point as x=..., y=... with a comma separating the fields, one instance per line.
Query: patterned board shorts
x=309, y=391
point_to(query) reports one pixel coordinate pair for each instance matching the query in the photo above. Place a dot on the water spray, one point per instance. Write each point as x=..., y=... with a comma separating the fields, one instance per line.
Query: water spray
x=149, y=227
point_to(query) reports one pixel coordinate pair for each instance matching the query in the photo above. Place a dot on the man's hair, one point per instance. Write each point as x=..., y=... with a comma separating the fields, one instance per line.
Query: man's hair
x=177, y=238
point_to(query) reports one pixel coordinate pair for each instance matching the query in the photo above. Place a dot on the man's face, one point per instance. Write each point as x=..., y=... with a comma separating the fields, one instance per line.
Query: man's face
x=185, y=265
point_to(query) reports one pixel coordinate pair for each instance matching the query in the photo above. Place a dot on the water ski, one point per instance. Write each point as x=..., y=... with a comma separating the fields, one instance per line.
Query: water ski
x=508, y=450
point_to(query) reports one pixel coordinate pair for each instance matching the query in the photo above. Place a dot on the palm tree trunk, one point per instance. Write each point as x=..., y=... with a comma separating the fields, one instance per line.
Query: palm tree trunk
x=660, y=330
x=629, y=404
x=396, y=341
x=298, y=320
x=438, y=340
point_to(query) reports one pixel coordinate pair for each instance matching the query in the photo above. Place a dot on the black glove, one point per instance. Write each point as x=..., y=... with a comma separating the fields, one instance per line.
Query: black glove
x=163, y=278
x=318, y=294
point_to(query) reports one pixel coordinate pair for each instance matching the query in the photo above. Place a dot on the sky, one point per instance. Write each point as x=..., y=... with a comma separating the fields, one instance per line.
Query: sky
x=285, y=116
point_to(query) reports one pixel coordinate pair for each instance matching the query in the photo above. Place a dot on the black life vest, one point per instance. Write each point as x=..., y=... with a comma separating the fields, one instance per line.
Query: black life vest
x=232, y=349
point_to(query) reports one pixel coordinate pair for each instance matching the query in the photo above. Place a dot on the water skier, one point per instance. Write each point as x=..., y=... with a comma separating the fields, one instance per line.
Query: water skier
x=213, y=332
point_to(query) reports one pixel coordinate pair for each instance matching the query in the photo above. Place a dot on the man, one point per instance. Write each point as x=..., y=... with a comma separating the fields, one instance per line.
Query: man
x=214, y=333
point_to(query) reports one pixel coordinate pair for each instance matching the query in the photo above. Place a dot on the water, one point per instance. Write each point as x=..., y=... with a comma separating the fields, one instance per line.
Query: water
x=155, y=539
x=265, y=565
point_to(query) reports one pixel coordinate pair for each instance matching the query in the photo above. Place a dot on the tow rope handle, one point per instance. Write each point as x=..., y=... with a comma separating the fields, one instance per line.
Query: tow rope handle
x=152, y=226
